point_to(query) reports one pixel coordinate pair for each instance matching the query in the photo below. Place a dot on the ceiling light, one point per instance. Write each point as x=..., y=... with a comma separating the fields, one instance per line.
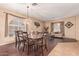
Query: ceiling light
x=34, y=4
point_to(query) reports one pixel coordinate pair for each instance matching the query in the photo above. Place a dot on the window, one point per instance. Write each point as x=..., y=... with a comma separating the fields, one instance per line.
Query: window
x=16, y=24
x=56, y=27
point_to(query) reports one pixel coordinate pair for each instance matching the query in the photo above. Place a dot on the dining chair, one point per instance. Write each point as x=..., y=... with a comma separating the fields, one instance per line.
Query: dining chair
x=25, y=38
x=19, y=38
x=16, y=38
x=29, y=43
x=42, y=43
x=45, y=38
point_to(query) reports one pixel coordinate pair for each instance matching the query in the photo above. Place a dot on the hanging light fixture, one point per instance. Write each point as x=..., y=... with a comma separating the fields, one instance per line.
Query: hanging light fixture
x=33, y=4
x=27, y=12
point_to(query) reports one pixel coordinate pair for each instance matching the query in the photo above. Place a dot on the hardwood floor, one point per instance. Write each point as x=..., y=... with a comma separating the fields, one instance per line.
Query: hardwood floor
x=10, y=50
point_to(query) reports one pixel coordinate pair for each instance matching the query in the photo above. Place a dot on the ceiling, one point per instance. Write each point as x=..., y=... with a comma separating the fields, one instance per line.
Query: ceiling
x=45, y=11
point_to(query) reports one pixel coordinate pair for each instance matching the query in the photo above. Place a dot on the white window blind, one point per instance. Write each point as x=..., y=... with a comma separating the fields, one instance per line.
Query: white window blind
x=56, y=27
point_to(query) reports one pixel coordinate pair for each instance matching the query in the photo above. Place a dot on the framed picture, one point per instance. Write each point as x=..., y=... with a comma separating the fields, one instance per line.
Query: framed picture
x=37, y=24
x=68, y=24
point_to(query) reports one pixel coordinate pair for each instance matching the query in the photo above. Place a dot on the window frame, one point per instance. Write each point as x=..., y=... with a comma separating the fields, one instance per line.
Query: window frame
x=61, y=30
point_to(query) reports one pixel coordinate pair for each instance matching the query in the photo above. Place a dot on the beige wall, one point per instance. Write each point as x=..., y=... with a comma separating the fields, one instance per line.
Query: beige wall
x=2, y=24
x=72, y=32
x=77, y=27
x=3, y=39
x=31, y=27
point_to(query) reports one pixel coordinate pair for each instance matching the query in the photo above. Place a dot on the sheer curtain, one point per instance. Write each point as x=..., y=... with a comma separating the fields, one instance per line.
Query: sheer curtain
x=56, y=27
x=16, y=24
